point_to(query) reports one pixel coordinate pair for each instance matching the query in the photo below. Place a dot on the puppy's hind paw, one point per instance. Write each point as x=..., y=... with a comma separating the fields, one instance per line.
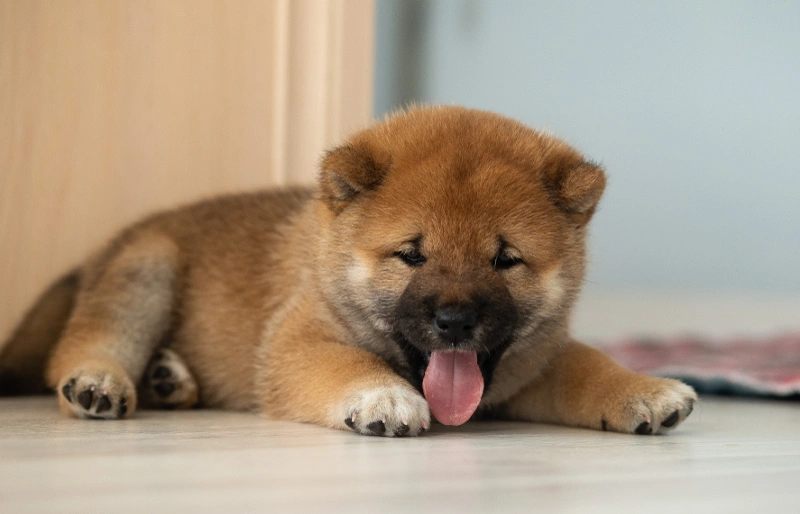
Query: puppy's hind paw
x=168, y=383
x=97, y=392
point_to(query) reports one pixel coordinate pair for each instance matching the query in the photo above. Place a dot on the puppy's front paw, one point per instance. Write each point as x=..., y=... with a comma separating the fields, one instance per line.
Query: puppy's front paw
x=97, y=392
x=651, y=406
x=392, y=411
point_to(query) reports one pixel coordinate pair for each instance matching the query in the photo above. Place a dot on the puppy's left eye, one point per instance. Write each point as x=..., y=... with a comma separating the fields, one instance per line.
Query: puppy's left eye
x=503, y=261
x=411, y=257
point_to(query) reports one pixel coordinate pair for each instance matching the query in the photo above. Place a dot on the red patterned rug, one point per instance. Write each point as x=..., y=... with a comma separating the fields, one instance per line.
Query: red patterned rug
x=763, y=367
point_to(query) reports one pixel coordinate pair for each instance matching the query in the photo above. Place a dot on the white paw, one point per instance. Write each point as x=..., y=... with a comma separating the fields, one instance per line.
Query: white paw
x=392, y=411
x=656, y=408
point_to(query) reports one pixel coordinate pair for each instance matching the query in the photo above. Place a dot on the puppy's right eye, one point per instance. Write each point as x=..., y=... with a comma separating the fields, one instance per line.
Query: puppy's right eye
x=411, y=257
x=504, y=261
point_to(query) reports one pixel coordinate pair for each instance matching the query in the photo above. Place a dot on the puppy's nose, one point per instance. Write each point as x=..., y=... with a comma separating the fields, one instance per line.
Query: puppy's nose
x=455, y=323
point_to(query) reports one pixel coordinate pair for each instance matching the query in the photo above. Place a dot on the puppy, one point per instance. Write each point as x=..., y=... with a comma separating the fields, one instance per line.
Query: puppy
x=431, y=271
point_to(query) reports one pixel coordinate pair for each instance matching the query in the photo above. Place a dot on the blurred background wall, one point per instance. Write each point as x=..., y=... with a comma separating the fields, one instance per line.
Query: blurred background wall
x=109, y=110
x=693, y=108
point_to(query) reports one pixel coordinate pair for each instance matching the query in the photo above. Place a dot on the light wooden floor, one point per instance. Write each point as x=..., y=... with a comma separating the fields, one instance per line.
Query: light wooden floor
x=731, y=456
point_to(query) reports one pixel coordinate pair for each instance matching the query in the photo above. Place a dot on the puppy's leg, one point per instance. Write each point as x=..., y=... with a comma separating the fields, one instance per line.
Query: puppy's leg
x=583, y=387
x=311, y=376
x=168, y=383
x=122, y=310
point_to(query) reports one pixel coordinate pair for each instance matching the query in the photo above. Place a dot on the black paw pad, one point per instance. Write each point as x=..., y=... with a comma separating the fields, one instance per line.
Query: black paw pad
x=103, y=404
x=164, y=390
x=67, y=390
x=402, y=430
x=671, y=420
x=377, y=427
x=85, y=399
x=162, y=372
x=644, y=428
x=349, y=422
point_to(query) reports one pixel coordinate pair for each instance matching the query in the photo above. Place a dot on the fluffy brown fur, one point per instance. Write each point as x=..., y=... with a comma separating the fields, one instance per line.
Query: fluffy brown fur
x=316, y=305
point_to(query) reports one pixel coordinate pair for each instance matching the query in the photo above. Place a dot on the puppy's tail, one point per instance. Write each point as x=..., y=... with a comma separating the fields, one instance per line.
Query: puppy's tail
x=24, y=355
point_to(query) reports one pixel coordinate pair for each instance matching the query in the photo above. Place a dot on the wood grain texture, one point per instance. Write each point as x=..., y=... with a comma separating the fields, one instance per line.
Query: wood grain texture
x=110, y=110
x=323, y=59
x=730, y=456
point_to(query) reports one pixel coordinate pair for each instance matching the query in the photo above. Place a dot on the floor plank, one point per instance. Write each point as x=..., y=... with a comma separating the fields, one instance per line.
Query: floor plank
x=731, y=456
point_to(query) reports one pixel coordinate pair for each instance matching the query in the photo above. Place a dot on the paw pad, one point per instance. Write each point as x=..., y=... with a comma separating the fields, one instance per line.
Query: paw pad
x=377, y=427
x=96, y=395
x=168, y=384
x=670, y=421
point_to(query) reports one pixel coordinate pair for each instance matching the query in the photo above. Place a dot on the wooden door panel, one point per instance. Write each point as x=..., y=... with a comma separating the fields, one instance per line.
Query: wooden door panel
x=112, y=109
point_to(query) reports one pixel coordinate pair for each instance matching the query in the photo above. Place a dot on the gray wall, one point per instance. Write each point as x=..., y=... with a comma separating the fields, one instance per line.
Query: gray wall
x=693, y=108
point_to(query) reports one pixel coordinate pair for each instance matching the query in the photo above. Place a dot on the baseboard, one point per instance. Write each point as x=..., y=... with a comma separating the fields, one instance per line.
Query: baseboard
x=606, y=315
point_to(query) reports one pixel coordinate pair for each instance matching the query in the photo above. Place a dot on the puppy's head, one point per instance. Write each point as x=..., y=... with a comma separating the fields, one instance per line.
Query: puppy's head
x=455, y=229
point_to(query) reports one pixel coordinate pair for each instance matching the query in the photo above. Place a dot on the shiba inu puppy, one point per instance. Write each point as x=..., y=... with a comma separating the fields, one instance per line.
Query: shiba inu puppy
x=432, y=270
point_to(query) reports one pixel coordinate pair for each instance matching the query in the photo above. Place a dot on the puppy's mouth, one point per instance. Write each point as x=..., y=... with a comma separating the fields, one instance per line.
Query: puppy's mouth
x=451, y=349
x=453, y=385
x=452, y=381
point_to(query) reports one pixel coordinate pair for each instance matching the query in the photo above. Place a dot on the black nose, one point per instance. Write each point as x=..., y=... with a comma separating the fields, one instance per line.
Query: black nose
x=455, y=323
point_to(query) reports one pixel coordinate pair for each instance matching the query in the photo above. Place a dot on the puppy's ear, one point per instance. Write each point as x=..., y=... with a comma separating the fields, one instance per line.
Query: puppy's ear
x=349, y=170
x=576, y=188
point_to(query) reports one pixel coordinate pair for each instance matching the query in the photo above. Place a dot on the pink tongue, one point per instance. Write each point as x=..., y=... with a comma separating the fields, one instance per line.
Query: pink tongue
x=453, y=386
